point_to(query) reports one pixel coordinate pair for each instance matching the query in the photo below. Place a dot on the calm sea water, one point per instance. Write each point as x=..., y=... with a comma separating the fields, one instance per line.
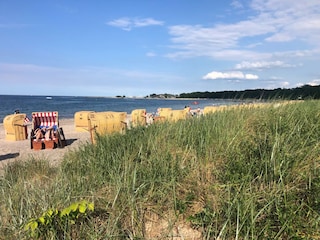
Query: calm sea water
x=67, y=106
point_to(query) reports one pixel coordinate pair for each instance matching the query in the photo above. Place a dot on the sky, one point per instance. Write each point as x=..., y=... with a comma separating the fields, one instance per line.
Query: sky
x=137, y=48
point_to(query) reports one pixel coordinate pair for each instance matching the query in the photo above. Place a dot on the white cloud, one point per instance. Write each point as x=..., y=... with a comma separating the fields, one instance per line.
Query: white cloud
x=315, y=82
x=145, y=22
x=151, y=54
x=275, y=78
x=261, y=65
x=123, y=23
x=286, y=6
x=237, y=4
x=280, y=37
x=128, y=23
x=282, y=84
x=251, y=76
x=293, y=19
x=230, y=75
x=277, y=84
x=271, y=22
x=217, y=37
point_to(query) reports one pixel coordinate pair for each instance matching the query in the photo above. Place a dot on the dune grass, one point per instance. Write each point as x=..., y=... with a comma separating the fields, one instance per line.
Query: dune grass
x=237, y=174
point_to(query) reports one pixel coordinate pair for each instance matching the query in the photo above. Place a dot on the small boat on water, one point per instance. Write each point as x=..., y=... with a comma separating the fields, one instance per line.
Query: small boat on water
x=48, y=98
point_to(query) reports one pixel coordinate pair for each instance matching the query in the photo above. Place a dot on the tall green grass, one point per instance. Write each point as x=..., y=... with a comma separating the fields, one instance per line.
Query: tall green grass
x=237, y=174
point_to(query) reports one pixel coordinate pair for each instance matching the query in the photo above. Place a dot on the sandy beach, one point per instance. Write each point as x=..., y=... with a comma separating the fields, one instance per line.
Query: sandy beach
x=20, y=150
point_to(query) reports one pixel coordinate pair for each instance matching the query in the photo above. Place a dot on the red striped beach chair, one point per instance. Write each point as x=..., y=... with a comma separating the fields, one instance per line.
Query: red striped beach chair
x=47, y=120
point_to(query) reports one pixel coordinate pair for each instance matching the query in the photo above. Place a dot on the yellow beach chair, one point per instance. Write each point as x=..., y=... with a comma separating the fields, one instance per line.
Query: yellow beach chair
x=15, y=127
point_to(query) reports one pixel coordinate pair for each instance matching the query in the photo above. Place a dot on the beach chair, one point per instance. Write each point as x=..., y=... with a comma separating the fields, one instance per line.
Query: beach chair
x=47, y=119
x=162, y=114
x=82, y=121
x=102, y=123
x=176, y=115
x=15, y=127
x=139, y=117
x=213, y=109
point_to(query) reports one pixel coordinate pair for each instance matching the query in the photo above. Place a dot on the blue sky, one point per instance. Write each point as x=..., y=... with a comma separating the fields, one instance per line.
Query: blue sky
x=136, y=48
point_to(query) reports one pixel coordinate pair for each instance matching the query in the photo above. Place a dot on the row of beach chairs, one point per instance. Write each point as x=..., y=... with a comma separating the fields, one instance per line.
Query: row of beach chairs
x=96, y=123
x=109, y=122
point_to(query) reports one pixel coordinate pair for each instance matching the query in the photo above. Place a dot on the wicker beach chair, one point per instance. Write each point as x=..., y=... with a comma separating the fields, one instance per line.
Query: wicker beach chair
x=49, y=120
x=15, y=127
x=108, y=122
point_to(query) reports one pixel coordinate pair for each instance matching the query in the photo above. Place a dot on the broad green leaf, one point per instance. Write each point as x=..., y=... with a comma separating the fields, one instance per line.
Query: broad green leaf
x=41, y=220
x=65, y=212
x=91, y=206
x=82, y=208
x=74, y=206
x=32, y=225
x=50, y=212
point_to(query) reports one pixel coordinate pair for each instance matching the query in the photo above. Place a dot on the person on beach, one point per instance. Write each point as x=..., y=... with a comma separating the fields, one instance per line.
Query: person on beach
x=45, y=132
x=198, y=111
x=149, y=118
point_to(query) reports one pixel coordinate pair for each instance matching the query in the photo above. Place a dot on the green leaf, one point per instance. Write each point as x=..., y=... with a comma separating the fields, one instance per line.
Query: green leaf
x=32, y=225
x=65, y=212
x=41, y=220
x=82, y=208
x=91, y=206
x=49, y=212
x=74, y=206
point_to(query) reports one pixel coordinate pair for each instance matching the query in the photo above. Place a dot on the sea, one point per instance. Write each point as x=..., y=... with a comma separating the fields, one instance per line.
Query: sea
x=67, y=106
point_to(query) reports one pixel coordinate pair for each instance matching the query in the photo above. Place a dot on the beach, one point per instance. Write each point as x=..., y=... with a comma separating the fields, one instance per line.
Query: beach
x=20, y=150
x=11, y=151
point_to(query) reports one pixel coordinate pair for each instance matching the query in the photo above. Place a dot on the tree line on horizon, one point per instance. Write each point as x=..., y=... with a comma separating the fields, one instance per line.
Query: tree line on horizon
x=303, y=92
